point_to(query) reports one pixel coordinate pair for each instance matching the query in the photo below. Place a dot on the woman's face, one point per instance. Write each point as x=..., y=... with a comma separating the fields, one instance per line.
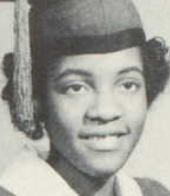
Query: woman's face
x=96, y=109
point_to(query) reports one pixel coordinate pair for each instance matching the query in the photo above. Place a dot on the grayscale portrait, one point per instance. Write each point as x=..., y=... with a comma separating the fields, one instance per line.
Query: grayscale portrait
x=84, y=98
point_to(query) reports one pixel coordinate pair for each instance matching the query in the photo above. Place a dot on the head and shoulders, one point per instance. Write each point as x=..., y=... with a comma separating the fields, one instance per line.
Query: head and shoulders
x=94, y=78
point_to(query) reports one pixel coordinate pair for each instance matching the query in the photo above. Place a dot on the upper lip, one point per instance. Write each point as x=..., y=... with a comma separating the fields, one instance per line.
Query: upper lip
x=103, y=132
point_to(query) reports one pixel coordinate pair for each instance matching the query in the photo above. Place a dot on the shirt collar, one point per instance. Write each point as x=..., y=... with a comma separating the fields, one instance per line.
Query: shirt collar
x=30, y=175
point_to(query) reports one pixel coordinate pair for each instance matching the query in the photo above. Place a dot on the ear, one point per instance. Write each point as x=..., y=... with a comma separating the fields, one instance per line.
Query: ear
x=41, y=145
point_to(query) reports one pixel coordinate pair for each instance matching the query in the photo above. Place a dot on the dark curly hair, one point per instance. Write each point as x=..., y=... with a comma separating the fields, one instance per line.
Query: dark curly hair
x=156, y=73
x=156, y=67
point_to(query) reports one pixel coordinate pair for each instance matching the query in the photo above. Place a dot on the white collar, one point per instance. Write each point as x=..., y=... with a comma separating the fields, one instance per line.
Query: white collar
x=30, y=175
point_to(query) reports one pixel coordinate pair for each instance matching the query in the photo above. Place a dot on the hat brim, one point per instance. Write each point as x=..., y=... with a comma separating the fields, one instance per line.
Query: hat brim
x=93, y=44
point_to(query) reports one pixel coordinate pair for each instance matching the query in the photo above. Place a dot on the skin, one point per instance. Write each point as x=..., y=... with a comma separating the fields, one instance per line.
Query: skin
x=96, y=106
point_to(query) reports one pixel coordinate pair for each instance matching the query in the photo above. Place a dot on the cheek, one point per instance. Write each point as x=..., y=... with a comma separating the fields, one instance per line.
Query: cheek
x=65, y=114
x=64, y=124
x=137, y=113
x=134, y=119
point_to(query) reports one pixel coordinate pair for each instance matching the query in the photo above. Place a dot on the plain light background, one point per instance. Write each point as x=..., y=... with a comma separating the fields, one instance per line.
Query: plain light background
x=152, y=156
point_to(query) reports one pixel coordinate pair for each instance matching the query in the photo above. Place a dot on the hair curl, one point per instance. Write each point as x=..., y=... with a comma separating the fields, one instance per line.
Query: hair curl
x=156, y=67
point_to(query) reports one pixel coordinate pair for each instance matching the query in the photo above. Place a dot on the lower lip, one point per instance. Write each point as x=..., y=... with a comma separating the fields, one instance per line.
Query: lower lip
x=108, y=143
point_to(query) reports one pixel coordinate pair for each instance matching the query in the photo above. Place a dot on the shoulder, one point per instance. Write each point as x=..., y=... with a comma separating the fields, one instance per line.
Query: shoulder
x=151, y=187
x=4, y=192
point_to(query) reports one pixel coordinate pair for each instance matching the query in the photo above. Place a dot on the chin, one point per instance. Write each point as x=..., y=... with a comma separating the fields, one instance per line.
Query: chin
x=104, y=167
x=102, y=172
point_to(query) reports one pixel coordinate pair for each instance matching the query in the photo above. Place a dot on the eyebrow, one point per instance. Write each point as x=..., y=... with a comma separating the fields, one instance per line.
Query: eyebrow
x=85, y=73
x=131, y=69
x=73, y=72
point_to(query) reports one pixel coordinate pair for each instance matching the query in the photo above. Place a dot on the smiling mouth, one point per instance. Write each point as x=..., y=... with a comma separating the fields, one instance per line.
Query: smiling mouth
x=104, y=141
x=100, y=134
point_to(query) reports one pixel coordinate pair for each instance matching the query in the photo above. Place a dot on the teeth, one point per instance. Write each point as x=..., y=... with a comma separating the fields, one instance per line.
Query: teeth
x=100, y=137
x=97, y=137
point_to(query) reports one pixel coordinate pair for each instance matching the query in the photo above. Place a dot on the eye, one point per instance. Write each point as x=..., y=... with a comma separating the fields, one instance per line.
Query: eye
x=75, y=89
x=130, y=86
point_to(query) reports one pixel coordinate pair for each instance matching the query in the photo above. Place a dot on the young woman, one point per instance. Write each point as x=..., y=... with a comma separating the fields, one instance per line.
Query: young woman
x=94, y=77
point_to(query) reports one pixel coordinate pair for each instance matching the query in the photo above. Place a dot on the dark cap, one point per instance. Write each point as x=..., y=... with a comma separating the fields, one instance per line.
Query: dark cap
x=85, y=26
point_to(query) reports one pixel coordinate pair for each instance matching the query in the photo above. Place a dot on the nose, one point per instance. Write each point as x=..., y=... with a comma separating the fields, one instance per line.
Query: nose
x=105, y=107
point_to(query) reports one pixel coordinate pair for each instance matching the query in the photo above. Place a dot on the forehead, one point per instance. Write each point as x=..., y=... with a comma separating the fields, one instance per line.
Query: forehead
x=105, y=62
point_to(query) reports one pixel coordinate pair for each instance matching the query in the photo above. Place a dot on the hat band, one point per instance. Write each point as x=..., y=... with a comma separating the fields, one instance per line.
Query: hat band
x=94, y=44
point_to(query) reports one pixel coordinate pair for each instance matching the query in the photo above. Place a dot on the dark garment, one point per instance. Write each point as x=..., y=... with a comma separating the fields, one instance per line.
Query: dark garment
x=148, y=188
x=152, y=188
x=4, y=192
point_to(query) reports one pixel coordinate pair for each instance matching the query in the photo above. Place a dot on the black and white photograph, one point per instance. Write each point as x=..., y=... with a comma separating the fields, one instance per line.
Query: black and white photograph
x=85, y=98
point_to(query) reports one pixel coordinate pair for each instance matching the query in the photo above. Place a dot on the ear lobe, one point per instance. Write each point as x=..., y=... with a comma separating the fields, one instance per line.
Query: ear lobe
x=41, y=146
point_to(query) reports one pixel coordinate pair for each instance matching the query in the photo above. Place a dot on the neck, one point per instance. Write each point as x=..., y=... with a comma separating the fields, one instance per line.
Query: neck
x=80, y=182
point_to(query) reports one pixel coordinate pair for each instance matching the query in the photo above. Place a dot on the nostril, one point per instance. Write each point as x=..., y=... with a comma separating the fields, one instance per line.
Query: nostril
x=104, y=108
